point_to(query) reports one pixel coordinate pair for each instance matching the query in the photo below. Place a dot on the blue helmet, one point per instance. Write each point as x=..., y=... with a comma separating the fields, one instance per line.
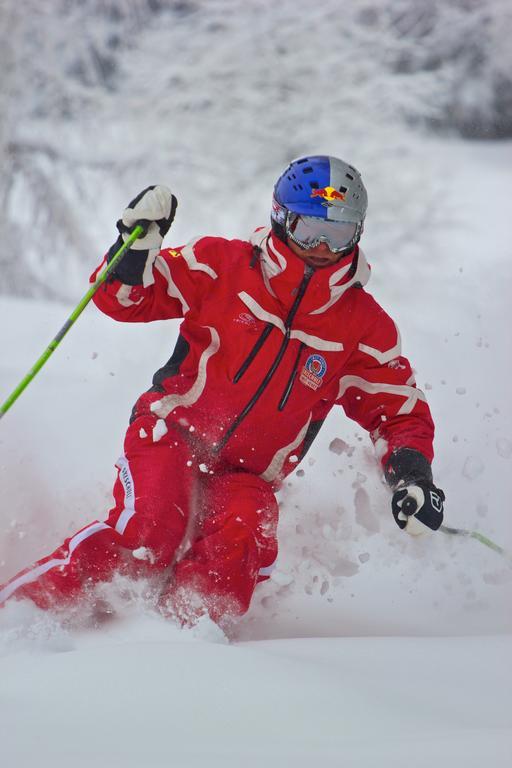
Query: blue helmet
x=321, y=186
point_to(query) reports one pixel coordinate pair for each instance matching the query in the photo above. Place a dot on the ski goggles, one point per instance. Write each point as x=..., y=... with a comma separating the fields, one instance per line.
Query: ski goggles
x=309, y=231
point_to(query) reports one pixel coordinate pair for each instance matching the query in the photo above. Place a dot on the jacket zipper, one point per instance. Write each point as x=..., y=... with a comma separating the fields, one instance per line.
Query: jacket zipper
x=308, y=273
x=291, y=381
x=254, y=351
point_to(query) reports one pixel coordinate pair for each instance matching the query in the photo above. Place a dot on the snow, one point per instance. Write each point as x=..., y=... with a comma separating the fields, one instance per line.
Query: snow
x=366, y=647
x=159, y=430
x=188, y=700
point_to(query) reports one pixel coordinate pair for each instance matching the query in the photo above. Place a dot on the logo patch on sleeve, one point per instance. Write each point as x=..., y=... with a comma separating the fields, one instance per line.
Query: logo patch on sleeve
x=313, y=371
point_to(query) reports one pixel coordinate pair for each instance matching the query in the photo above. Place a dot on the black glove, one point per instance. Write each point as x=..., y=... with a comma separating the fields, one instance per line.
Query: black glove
x=417, y=504
x=154, y=209
x=418, y=508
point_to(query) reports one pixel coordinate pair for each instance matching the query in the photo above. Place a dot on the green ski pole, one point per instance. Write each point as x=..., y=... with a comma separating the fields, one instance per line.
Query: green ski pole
x=479, y=537
x=52, y=346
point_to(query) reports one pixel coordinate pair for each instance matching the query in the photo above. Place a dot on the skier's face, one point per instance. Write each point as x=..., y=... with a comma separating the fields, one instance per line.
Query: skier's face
x=318, y=257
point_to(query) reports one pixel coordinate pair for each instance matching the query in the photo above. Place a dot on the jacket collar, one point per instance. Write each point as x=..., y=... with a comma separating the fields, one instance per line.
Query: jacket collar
x=283, y=270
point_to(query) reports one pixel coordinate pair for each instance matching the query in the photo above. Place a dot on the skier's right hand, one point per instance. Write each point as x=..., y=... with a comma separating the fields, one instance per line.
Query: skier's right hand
x=154, y=209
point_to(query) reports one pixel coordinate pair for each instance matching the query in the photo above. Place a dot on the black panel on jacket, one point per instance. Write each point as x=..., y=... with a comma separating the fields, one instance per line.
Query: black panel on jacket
x=312, y=432
x=172, y=366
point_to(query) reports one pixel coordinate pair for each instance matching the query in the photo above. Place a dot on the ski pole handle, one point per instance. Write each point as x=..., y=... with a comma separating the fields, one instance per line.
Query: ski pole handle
x=52, y=346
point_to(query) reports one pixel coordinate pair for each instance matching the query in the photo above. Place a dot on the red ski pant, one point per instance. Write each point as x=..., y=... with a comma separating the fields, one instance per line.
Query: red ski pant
x=208, y=530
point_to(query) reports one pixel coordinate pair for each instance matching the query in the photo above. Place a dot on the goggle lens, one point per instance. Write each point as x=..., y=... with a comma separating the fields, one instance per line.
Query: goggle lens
x=310, y=231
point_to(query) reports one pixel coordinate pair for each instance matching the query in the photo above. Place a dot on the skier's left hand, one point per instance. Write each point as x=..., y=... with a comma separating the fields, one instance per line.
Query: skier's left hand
x=418, y=508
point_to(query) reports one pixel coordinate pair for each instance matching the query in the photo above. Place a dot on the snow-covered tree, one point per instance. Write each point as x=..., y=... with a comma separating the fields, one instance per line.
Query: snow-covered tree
x=105, y=95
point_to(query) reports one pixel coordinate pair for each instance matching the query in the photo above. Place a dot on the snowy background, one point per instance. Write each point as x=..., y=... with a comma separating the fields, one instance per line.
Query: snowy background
x=361, y=630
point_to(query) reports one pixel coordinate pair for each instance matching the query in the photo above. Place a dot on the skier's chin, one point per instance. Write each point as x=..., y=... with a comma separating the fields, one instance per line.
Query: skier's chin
x=320, y=258
x=319, y=262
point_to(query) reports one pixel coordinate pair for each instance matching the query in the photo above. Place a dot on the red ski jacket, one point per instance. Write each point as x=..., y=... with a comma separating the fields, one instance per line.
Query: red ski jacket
x=267, y=347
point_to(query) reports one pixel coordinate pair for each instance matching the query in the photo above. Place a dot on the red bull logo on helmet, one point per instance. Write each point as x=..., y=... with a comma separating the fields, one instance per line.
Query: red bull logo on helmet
x=328, y=193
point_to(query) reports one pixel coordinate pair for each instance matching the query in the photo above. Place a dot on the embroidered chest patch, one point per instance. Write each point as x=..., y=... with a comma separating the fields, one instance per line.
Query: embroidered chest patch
x=313, y=371
x=244, y=318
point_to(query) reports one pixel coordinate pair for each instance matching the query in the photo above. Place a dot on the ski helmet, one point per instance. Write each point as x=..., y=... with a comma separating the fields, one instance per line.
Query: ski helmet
x=323, y=187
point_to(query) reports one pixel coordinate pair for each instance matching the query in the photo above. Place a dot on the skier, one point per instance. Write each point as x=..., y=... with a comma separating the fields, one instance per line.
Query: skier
x=275, y=332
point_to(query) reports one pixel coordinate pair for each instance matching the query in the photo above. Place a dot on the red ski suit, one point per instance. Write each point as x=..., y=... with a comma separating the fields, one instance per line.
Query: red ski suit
x=267, y=347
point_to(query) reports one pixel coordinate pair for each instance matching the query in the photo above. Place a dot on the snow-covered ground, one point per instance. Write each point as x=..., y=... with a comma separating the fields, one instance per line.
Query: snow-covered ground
x=146, y=694
x=366, y=648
